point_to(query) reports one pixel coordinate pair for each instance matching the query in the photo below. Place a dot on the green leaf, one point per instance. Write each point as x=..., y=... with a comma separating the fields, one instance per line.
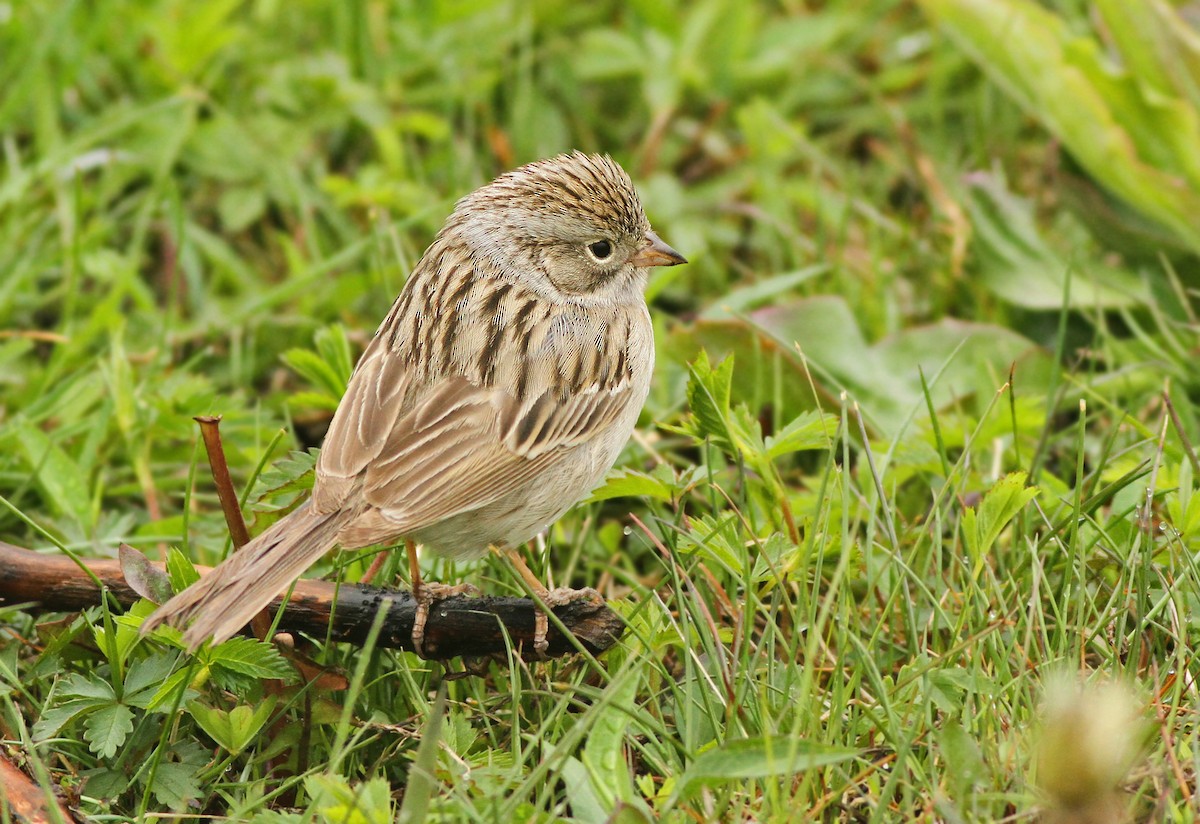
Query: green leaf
x=328, y=368
x=422, y=778
x=757, y=758
x=982, y=526
x=604, y=750
x=628, y=483
x=1019, y=266
x=164, y=697
x=177, y=779
x=56, y=473
x=57, y=717
x=768, y=290
x=1143, y=147
x=367, y=803
x=809, y=430
x=106, y=729
x=145, y=676
x=91, y=687
x=239, y=206
x=234, y=729
x=180, y=570
x=250, y=657
x=105, y=783
x=282, y=485
x=708, y=393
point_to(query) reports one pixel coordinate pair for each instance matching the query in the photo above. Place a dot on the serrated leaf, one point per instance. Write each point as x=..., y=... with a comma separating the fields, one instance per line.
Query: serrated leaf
x=334, y=347
x=107, y=728
x=328, y=368
x=628, y=483
x=809, y=430
x=57, y=717
x=77, y=685
x=708, y=393
x=176, y=781
x=180, y=570
x=983, y=525
x=315, y=370
x=250, y=657
x=281, y=485
x=105, y=783
x=715, y=540
x=164, y=697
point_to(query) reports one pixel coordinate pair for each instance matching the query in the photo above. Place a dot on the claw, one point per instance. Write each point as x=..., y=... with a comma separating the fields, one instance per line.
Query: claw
x=557, y=597
x=427, y=595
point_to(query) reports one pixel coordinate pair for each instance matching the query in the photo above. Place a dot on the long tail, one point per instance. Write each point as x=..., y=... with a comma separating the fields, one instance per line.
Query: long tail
x=226, y=598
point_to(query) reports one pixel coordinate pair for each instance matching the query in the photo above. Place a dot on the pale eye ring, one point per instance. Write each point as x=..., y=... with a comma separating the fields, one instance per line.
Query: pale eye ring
x=601, y=250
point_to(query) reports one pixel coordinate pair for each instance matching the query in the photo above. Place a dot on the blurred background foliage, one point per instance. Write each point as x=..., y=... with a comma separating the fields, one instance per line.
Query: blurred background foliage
x=215, y=182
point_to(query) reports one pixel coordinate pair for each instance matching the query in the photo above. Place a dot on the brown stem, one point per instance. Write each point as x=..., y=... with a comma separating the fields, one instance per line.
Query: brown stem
x=210, y=429
x=459, y=626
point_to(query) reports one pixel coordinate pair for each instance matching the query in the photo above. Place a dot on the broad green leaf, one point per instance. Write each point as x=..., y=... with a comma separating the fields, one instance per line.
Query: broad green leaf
x=145, y=676
x=106, y=729
x=57, y=717
x=1145, y=148
x=604, y=750
x=177, y=779
x=164, y=697
x=1019, y=265
x=233, y=729
x=54, y=471
x=250, y=657
x=328, y=368
x=92, y=687
x=757, y=758
x=883, y=377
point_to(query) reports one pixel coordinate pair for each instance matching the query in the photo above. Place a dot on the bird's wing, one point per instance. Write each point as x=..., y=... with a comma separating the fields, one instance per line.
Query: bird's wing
x=464, y=446
x=421, y=454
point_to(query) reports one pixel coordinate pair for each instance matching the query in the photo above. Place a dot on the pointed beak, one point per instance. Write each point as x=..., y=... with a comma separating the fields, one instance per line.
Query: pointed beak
x=656, y=253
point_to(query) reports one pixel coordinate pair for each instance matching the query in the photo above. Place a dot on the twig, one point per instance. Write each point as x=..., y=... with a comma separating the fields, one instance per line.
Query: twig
x=210, y=429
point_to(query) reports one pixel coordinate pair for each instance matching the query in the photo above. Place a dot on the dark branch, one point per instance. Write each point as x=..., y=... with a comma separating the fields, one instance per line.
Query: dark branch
x=460, y=626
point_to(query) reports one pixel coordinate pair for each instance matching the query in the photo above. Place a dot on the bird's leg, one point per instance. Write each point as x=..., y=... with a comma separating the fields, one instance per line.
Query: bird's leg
x=426, y=594
x=551, y=598
x=376, y=565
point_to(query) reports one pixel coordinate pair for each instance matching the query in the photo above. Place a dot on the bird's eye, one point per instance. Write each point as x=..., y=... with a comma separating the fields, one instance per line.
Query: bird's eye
x=601, y=249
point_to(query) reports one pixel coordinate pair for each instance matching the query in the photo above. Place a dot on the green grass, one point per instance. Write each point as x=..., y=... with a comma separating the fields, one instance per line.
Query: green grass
x=906, y=460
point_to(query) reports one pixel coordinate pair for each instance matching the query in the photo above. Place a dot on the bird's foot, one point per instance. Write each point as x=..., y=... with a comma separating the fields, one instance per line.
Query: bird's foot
x=557, y=597
x=426, y=595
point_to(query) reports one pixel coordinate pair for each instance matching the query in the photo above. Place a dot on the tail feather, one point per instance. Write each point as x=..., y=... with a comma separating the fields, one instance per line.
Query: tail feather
x=226, y=598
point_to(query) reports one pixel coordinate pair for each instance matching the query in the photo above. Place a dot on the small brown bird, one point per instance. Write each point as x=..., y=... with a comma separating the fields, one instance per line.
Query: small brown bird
x=497, y=392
